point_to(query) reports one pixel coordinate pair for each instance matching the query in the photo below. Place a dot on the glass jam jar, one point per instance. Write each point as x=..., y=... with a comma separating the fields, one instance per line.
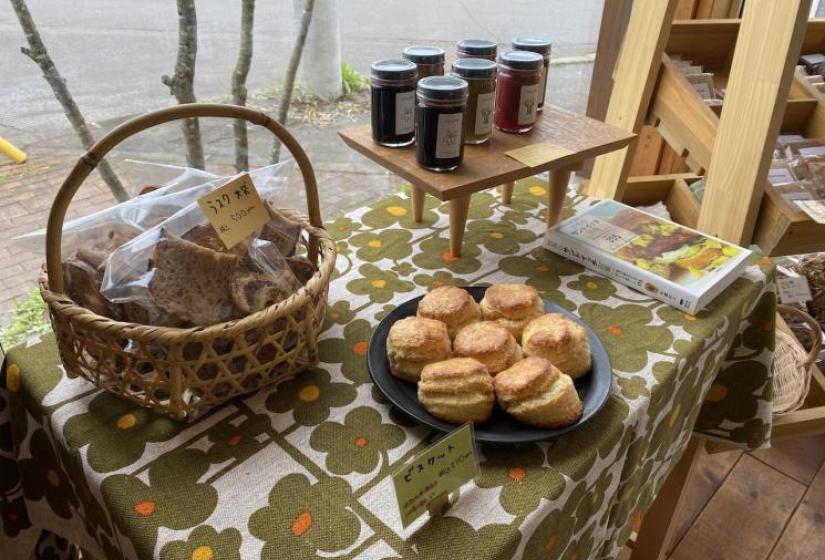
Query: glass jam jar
x=439, y=121
x=429, y=60
x=480, y=75
x=517, y=90
x=542, y=47
x=476, y=48
x=392, y=96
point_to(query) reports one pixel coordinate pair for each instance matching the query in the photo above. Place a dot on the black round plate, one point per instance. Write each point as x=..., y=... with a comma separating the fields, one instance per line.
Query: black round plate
x=593, y=388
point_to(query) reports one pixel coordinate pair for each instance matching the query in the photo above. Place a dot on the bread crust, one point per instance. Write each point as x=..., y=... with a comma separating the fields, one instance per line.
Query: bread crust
x=536, y=393
x=561, y=341
x=453, y=306
x=414, y=342
x=512, y=306
x=489, y=343
x=457, y=390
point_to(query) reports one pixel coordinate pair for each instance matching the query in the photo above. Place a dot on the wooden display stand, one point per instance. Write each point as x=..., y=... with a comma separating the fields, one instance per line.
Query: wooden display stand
x=559, y=143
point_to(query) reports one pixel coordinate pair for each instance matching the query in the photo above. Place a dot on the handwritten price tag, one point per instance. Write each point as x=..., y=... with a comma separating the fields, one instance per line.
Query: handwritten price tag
x=794, y=289
x=813, y=208
x=444, y=467
x=235, y=210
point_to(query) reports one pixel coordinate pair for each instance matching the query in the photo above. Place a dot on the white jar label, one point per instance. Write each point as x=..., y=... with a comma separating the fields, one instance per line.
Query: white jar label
x=448, y=135
x=527, y=104
x=543, y=84
x=405, y=112
x=484, y=113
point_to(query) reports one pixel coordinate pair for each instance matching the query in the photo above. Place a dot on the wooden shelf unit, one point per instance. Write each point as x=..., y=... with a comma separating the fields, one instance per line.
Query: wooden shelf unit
x=681, y=129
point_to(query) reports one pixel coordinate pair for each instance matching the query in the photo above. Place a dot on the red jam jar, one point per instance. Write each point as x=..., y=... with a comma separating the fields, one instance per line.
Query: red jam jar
x=542, y=47
x=517, y=91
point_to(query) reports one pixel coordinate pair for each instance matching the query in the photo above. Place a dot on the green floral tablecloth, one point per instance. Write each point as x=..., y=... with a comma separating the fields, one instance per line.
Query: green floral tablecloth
x=301, y=470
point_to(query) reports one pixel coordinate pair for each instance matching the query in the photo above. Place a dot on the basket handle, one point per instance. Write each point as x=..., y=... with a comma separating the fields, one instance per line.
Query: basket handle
x=89, y=160
x=813, y=323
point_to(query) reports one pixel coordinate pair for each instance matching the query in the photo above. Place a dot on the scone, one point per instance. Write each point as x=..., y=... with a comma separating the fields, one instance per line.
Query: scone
x=560, y=340
x=412, y=343
x=489, y=343
x=457, y=390
x=512, y=306
x=452, y=306
x=535, y=392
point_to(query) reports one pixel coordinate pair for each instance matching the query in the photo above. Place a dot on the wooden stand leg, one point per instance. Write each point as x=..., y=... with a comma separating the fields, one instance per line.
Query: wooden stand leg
x=660, y=520
x=417, y=194
x=507, y=192
x=458, y=220
x=559, y=179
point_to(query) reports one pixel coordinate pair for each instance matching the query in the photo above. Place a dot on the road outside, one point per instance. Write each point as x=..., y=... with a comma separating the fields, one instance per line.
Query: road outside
x=113, y=53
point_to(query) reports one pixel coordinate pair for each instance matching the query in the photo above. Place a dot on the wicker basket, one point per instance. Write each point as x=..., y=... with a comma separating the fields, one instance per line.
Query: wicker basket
x=181, y=371
x=792, y=366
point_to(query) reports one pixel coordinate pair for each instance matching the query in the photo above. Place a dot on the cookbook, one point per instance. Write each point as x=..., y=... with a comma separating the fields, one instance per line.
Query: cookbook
x=665, y=260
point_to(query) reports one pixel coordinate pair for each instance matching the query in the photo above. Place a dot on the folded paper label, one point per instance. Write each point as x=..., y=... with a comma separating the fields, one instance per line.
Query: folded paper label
x=538, y=154
x=815, y=209
x=794, y=289
x=442, y=468
x=235, y=210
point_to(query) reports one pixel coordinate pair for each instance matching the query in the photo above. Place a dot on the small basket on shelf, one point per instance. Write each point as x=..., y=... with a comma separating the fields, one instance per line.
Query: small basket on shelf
x=792, y=365
x=181, y=371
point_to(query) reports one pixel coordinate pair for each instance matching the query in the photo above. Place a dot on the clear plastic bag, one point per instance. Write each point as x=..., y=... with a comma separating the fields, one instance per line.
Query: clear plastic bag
x=178, y=273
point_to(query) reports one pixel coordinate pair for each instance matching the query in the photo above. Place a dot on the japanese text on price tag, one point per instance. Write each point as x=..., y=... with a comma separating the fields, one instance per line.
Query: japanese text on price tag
x=444, y=467
x=235, y=210
x=794, y=289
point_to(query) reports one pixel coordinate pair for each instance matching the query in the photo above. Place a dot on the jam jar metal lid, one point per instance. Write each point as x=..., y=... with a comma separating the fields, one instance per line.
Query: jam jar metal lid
x=442, y=88
x=475, y=68
x=393, y=69
x=478, y=47
x=522, y=60
x=424, y=54
x=533, y=44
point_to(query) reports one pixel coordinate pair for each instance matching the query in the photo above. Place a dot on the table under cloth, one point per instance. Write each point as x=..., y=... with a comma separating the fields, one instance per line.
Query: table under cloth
x=301, y=470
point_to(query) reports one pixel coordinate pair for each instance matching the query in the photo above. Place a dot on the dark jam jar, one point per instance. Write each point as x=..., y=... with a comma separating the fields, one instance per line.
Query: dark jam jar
x=476, y=48
x=429, y=60
x=480, y=75
x=517, y=91
x=439, y=120
x=543, y=48
x=392, y=91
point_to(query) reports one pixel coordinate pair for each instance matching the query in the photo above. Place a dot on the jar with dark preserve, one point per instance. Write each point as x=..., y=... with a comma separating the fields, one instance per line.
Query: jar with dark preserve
x=429, y=60
x=439, y=121
x=543, y=48
x=480, y=75
x=476, y=48
x=517, y=90
x=392, y=90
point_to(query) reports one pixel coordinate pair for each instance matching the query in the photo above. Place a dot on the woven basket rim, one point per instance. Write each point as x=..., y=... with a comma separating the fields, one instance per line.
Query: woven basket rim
x=64, y=305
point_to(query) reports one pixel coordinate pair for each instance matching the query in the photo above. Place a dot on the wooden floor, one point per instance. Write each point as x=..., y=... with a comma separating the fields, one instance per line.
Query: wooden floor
x=768, y=505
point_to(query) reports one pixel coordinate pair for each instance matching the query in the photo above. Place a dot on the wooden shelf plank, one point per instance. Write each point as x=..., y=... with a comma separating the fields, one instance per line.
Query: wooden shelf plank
x=804, y=538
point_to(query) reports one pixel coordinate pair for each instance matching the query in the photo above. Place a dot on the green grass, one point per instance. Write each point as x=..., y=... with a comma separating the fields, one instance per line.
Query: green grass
x=353, y=81
x=27, y=319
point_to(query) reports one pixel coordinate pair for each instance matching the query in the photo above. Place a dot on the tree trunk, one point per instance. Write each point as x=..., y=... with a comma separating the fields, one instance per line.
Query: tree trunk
x=239, y=83
x=181, y=84
x=291, y=72
x=38, y=53
x=320, y=69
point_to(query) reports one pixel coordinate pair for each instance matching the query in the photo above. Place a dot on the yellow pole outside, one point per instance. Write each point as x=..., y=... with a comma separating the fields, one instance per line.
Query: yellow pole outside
x=16, y=155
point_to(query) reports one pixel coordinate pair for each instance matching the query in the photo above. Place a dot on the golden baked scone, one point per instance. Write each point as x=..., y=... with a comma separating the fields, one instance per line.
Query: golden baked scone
x=457, y=390
x=512, y=306
x=535, y=392
x=414, y=342
x=452, y=306
x=560, y=340
x=489, y=343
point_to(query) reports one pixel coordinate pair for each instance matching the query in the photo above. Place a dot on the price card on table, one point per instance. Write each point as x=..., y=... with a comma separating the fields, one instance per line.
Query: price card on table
x=538, y=154
x=235, y=210
x=442, y=468
x=794, y=289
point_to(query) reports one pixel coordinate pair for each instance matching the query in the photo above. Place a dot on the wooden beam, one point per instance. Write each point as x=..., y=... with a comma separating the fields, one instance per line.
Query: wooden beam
x=648, y=152
x=768, y=45
x=634, y=80
x=686, y=9
x=615, y=16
